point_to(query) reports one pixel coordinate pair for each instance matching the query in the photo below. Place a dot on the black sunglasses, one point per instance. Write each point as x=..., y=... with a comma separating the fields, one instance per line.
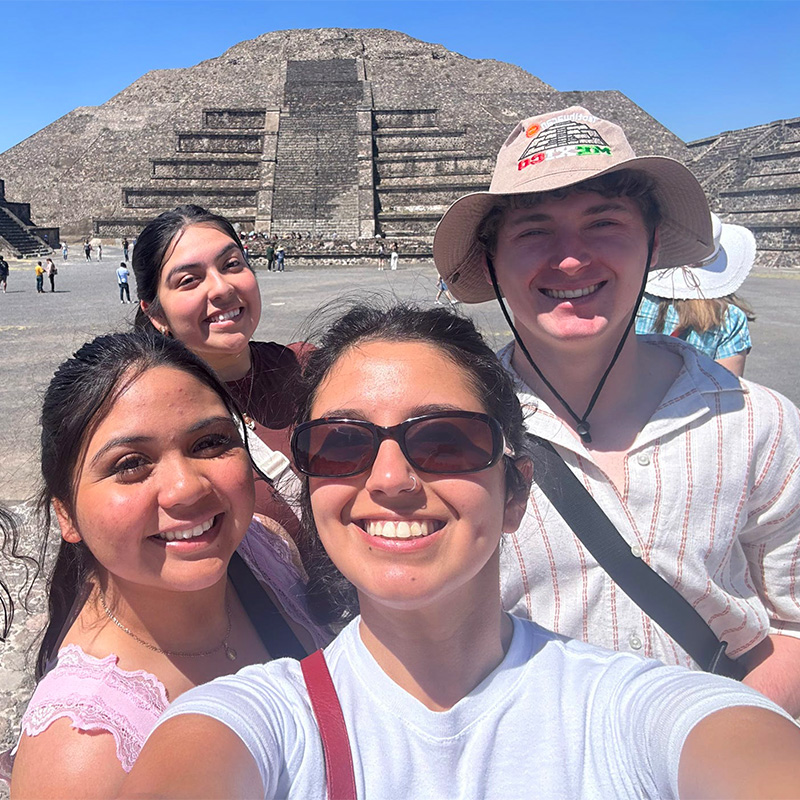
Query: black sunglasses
x=447, y=442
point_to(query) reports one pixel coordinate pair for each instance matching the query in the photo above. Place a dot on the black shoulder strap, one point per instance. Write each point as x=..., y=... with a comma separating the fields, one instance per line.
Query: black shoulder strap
x=660, y=601
x=272, y=628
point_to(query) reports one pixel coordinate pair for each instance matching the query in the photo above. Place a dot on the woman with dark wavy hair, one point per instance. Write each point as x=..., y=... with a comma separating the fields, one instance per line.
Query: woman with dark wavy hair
x=195, y=285
x=163, y=580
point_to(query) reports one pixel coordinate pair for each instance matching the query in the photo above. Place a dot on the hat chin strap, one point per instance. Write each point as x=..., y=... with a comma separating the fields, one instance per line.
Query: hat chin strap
x=582, y=425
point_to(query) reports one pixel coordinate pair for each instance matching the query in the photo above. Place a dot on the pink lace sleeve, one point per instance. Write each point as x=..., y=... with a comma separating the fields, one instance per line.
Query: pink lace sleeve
x=95, y=694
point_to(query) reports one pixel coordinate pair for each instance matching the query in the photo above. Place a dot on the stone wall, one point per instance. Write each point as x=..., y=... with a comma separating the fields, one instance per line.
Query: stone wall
x=752, y=178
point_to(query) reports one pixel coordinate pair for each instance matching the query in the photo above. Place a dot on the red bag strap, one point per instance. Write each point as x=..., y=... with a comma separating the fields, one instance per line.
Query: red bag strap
x=339, y=777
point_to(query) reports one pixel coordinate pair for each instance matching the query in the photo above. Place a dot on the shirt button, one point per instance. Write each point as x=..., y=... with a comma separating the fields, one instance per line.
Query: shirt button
x=635, y=642
x=636, y=551
x=643, y=459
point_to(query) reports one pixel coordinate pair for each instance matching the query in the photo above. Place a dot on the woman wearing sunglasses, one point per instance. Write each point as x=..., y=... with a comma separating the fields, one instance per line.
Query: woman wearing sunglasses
x=415, y=452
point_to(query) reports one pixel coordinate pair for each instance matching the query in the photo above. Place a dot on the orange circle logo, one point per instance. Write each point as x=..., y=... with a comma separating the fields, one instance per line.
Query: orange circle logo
x=532, y=130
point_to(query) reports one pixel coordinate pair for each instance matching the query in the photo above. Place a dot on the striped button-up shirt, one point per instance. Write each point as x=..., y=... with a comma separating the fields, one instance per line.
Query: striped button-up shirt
x=711, y=501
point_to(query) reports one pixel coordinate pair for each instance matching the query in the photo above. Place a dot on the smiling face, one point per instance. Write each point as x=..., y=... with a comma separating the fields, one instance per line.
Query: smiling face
x=403, y=542
x=164, y=492
x=208, y=296
x=571, y=268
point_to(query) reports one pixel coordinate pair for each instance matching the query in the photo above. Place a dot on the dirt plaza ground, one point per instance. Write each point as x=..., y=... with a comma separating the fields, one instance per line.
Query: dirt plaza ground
x=38, y=331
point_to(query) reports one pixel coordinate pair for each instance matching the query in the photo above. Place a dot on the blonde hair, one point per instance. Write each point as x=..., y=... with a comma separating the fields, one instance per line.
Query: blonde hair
x=699, y=316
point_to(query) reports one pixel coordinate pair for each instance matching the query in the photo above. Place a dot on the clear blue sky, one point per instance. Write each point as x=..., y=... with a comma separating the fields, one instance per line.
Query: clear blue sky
x=698, y=67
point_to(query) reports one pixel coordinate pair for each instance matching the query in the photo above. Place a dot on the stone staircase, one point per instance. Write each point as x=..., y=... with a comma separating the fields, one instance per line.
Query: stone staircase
x=16, y=239
x=752, y=178
x=316, y=189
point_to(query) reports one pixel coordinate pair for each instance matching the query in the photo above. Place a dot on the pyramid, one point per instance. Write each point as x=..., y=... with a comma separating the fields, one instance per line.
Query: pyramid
x=329, y=131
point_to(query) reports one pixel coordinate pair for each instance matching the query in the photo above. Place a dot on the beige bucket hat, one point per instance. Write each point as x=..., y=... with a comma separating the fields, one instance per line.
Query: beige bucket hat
x=558, y=149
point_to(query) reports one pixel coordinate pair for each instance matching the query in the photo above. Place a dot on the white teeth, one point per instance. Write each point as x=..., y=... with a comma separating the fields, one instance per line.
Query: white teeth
x=400, y=530
x=567, y=294
x=226, y=315
x=188, y=533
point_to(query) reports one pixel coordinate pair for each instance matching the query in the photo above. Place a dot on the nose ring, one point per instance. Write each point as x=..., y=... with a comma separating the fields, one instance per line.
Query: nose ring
x=414, y=487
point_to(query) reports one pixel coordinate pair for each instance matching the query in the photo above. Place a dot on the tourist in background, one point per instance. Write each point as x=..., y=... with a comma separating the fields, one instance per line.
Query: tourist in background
x=122, y=280
x=87, y=249
x=4, y=270
x=151, y=485
x=280, y=259
x=64, y=250
x=39, y=271
x=698, y=302
x=125, y=246
x=394, y=256
x=270, y=256
x=441, y=693
x=381, y=255
x=194, y=285
x=51, y=270
x=99, y=250
x=443, y=290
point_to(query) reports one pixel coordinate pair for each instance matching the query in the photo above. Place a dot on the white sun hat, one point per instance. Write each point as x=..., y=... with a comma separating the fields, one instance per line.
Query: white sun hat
x=719, y=275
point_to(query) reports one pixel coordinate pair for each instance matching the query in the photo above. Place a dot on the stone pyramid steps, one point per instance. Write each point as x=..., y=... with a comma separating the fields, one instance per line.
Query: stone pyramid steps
x=752, y=178
x=17, y=236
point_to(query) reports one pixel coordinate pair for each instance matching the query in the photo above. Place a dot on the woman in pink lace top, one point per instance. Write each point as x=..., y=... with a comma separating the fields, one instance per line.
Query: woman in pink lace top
x=163, y=579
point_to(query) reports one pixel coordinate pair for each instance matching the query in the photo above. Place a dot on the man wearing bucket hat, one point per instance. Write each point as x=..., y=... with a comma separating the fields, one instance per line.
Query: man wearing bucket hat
x=697, y=302
x=698, y=472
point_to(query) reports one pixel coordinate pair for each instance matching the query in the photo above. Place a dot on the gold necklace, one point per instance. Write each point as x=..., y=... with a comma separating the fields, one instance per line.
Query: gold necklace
x=230, y=653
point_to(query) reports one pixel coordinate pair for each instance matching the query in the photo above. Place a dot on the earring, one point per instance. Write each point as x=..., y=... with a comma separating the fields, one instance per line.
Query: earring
x=164, y=330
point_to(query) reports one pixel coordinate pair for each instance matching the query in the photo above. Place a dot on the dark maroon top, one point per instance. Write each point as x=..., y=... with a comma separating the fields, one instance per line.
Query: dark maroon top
x=267, y=395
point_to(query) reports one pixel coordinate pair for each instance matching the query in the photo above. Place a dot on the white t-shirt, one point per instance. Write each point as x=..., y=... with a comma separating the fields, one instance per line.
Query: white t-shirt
x=557, y=718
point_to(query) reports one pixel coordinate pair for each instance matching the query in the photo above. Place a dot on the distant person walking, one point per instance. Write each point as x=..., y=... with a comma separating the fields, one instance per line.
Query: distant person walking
x=280, y=257
x=125, y=246
x=51, y=270
x=122, y=280
x=443, y=290
x=3, y=273
x=64, y=250
x=87, y=248
x=394, y=256
x=381, y=256
x=99, y=251
x=270, y=254
x=39, y=270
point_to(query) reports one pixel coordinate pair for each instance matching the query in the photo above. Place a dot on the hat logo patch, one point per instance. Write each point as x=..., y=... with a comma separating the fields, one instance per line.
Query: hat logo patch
x=561, y=140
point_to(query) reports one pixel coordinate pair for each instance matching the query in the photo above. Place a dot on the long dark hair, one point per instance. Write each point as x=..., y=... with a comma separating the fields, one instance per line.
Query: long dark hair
x=80, y=395
x=332, y=598
x=9, y=544
x=153, y=243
